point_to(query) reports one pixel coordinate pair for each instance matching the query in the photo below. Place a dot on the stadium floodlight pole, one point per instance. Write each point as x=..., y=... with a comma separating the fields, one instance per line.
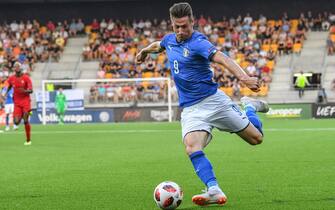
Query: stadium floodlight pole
x=167, y=79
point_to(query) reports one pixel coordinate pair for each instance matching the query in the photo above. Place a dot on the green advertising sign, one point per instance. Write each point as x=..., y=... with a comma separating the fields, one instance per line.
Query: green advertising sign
x=296, y=111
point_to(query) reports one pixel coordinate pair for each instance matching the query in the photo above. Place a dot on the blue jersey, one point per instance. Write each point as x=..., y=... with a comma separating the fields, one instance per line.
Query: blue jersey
x=9, y=99
x=190, y=67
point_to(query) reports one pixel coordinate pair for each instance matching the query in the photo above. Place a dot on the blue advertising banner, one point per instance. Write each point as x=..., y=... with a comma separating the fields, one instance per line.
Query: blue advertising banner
x=83, y=116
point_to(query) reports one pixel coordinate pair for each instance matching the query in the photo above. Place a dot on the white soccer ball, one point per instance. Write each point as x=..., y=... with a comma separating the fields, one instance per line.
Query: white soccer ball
x=168, y=195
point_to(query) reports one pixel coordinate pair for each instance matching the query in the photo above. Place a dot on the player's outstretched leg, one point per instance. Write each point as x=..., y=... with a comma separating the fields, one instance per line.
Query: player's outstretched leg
x=195, y=142
x=251, y=106
x=27, y=128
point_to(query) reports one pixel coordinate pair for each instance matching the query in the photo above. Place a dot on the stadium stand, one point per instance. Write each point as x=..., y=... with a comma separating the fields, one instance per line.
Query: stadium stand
x=256, y=44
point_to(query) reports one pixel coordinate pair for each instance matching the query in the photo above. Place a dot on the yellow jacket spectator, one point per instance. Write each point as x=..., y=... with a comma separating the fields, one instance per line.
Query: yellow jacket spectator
x=301, y=83
x=50, y=87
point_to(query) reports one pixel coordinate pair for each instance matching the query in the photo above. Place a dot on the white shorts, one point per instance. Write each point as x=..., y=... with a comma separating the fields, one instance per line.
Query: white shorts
x=216, y=111
x=9, y=108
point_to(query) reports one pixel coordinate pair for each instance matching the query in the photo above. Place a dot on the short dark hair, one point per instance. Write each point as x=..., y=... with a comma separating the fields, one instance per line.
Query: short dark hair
x=180, y=10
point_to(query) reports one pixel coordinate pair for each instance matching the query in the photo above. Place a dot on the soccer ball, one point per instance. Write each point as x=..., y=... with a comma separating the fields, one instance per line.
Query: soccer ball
x=168, y=195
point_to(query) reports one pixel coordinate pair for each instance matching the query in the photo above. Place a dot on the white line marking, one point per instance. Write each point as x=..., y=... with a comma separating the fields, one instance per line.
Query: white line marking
x=300, y=129
x=160, y=131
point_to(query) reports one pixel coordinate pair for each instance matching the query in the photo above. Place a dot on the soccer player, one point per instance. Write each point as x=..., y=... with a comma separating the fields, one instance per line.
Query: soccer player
x=9, y=107
x=22, y=89
x=60, y=104
x=204, y=106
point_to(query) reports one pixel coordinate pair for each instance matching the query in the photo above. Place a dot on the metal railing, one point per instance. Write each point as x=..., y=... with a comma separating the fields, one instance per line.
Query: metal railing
x=324, y=67
x=77, y=71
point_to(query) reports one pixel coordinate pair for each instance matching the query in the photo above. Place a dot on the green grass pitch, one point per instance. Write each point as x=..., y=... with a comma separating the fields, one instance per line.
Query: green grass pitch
x=117, y=166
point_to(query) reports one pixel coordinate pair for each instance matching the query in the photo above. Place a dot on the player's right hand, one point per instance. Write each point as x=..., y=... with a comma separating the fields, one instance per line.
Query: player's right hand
x=140, y=57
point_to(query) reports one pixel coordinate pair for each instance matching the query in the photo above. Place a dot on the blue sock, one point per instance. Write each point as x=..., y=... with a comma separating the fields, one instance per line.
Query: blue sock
x=203, y=168
x=7, y=120
x=253, y=117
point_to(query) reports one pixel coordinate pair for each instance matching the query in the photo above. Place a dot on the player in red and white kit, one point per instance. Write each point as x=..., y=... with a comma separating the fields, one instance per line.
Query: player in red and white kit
x=22, y=89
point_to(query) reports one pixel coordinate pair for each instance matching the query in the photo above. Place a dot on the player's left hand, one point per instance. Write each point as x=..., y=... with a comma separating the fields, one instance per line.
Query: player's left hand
x=252, y=83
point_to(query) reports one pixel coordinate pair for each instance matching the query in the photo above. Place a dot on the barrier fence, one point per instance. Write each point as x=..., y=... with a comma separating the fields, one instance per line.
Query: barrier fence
x=161, y=114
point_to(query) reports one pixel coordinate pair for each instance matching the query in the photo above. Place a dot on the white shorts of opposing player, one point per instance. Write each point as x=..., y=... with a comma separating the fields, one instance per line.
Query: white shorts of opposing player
x=216, y=111
x=9, y=109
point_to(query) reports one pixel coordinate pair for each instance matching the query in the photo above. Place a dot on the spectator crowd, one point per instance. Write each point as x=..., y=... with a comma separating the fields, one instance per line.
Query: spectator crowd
x=254, y=43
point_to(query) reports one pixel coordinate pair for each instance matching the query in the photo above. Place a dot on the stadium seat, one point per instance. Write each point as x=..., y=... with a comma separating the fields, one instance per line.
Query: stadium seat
x=263, y=91
x=266, y=47
x=332, y=37
x=245, y=91
x=244, y=64
x=88, y=29
x=271, y=23
x=274, y=47
x=297, y=47
x=270, y=64
x=228, y=90
x=221, y=40
x=148, y=75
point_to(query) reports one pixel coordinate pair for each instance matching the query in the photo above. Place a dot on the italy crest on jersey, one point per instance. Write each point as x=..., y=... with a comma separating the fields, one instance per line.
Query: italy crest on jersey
x=186, y=52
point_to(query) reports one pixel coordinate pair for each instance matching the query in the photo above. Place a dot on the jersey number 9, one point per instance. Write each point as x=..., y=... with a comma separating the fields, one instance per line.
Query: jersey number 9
x=175, y=66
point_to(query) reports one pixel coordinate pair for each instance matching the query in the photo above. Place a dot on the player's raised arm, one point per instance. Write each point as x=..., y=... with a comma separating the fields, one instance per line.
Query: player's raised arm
x=234, y=68
x=154, y=47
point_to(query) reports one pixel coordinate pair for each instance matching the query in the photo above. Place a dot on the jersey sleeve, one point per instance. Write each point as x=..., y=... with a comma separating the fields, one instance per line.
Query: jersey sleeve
x=164, y=42
x=205, y=48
